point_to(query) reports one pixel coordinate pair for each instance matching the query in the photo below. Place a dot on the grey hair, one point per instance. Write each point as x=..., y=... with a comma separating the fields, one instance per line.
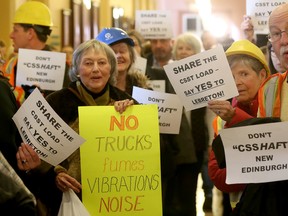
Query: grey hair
x=249, y=61
x=190, y=39
x=97, y=46
x=133, y=57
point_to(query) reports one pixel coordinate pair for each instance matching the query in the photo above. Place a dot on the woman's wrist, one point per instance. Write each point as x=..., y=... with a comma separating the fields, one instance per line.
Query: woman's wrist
x=58, y=169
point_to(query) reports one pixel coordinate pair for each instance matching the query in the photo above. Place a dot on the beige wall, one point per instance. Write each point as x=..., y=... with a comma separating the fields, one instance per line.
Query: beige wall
x=56, y=7
x=6, y=10
x=234, y=9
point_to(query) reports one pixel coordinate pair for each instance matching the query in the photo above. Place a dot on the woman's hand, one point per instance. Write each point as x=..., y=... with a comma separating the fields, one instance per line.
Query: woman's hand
x=27, y=158
x=223, y=109
x=65, y=181
x=120, y=106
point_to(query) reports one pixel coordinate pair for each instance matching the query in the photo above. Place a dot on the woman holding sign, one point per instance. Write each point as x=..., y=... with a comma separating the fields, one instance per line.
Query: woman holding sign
x=93, y=74
x=192, y=141
x=249, y=68
x=123, y=46
x=128, y=76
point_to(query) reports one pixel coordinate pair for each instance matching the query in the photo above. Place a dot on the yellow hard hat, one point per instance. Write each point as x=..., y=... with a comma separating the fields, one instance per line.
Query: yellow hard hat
x=33, y=12
x=246, y=47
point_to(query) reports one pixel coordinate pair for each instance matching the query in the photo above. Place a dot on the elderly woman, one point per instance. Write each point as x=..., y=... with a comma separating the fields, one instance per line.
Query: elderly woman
x=123, y=46
x=93, y=74
x=249, y=69
x=128, y=76
x=191, y=143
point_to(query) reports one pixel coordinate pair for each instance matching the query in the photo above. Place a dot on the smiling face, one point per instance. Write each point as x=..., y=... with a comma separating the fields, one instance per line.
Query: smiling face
x=247, y=81
x=94, y=70
x=123, y=56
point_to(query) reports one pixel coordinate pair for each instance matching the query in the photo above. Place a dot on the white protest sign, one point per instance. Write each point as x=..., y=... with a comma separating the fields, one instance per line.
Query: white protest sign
x=202, y=77
x=42, y=68
x=169, y=108
x=157, y=85
x=256, y=153
x=259, y=11
x=40, y=127
x=140, y=64
x=153, y=24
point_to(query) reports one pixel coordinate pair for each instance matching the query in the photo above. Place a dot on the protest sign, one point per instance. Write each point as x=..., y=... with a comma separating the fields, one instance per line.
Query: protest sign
x=157, y=85
x=169, y=108
x=44, y=69
x=140, y=64
x=259, y=11
x=40, y=127
x=153, y=24
x=120, y=162
x=256, y=153
x=202, y=77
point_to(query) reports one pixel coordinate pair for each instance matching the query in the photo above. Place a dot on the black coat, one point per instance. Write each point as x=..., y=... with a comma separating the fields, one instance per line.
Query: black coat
x=9, y=136
x=65, y=103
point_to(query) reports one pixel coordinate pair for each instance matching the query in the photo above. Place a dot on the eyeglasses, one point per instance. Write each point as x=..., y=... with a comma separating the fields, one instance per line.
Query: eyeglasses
x=275, y=36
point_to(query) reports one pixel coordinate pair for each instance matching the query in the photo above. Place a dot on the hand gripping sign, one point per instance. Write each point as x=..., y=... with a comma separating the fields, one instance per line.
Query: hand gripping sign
x=40, y=127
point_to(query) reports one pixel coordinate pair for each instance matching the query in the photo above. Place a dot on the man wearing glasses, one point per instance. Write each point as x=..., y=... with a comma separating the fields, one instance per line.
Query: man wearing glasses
x=267, y=198
x=273, y=95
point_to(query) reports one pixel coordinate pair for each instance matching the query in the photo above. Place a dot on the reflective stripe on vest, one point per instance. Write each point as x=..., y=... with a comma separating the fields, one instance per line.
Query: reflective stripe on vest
x=269, y=96
x=9, y=72
x=218, y=124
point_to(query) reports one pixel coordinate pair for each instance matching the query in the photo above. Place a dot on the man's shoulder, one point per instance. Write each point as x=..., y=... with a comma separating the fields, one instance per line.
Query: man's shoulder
x=277, y=78
x=4, y=83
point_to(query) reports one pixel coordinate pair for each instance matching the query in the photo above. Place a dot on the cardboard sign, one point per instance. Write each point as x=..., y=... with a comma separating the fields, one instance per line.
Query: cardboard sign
x=259, y=11
x=44, y=69
x=202, y=77
x=120, y=162
x=153, y=24
x=169, y=108
x=256, y=153
x=40, y=127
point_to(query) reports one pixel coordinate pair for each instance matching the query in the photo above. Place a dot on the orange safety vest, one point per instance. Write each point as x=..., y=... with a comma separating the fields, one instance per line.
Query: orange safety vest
x=9, y=72
x=269, y=96
x=218, y=124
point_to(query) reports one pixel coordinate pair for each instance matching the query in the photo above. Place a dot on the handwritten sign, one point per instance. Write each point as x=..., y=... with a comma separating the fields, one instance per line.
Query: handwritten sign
x=202, y=77
x=256, y=153
x=153, y=24
x=259, y=11
x=40, y=127
x=120, y=162
x=169, y=108
x=42, y=68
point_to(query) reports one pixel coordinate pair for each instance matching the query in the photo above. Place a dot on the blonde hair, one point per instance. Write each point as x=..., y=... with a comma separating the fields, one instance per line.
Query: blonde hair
x=190, y=39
